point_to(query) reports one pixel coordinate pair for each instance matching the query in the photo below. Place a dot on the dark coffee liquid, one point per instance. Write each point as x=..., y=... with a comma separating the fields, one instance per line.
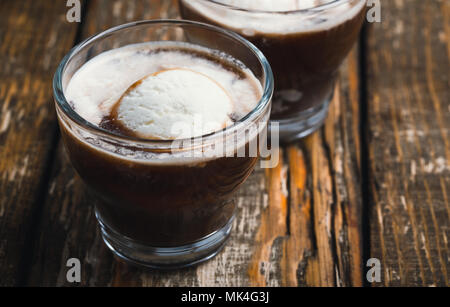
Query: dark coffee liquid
x=304, y=64
x=160, y=205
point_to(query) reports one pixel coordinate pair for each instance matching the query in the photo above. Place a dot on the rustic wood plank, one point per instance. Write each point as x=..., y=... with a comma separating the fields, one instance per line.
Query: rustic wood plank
x=29, y=45
x=408, y=142
x=326, y=205
x=298, y=224
x=319, y=181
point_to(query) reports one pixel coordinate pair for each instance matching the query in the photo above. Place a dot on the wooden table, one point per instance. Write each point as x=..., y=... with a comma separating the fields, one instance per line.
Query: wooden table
x=374, y=182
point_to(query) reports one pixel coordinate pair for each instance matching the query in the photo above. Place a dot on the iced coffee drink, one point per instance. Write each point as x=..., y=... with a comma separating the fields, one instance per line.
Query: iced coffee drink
x=305, y=41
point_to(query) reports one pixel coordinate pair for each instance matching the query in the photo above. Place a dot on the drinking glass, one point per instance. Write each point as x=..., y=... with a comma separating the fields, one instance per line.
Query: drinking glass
x=157, y=205
x=305, y=48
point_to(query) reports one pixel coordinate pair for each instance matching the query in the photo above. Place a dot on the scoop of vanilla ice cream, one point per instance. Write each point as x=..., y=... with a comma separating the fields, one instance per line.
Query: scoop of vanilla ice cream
x=175, y=103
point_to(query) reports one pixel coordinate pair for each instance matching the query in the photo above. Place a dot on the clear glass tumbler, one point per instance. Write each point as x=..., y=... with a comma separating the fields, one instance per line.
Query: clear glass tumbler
x=157, y=205
x=305, y=47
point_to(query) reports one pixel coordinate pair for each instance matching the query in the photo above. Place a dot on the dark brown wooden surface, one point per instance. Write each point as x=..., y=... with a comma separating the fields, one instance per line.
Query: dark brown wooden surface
x=29, y=45
x=373, y=182
x=408, y=141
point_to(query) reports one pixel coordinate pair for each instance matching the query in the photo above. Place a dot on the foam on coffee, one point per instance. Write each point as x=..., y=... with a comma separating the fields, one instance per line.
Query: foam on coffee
x=277, y=16
x=273, y=5
x=154, y=85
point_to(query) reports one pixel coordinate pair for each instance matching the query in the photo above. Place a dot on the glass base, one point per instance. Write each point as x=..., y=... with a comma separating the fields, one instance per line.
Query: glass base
x=303, y=124
x=165, y=257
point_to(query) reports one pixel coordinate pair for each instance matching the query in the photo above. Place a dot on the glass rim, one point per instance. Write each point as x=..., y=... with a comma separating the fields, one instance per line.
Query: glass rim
x=62, y=103
x=318, y=7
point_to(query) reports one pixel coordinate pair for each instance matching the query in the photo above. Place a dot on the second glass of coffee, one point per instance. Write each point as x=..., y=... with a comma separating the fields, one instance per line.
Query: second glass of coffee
x=305, y=42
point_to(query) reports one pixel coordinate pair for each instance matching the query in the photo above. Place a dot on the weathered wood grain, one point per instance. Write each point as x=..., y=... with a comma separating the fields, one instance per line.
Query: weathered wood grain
x=29, y=45
x=408, y=142
x=298, y=224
